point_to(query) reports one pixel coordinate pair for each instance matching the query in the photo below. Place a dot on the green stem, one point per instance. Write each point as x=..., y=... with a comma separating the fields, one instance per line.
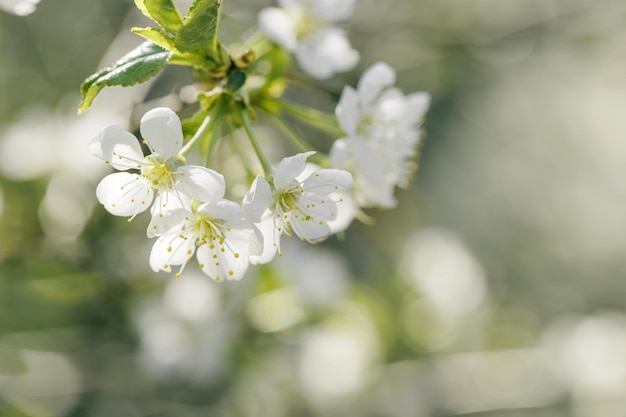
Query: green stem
x=298, y=141
x=267, y=168
x=235, y=146
x=314, y=118
x=208, y=125
x=213, y=139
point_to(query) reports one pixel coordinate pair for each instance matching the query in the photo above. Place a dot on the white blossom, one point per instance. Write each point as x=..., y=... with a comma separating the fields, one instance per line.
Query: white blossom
x=382, y=127
x=304, y=27
x=301, y=203
x=216, y=231
x=163, y=173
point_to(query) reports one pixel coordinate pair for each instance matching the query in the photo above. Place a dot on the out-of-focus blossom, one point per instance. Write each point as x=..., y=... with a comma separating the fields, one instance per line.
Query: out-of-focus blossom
x=51, y=386
x=337, y=359
x=19, y=7
x=305, y=28
x=301, y=202
x=382, y=128
x=163, y=173
x=183, y=336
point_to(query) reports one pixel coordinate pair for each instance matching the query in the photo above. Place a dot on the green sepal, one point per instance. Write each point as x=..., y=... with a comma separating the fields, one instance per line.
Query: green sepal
x=137, y=66
x=236, y=80
x=163, y=12
x=199, y=29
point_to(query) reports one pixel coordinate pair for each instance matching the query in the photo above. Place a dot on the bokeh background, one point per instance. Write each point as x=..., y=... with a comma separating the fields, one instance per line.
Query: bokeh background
x=495, y=289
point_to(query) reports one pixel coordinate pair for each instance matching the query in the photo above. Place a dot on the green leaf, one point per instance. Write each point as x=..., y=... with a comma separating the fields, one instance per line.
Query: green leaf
x=137, y=66
x=163, y=12
x=158, y=36
x=199, y=30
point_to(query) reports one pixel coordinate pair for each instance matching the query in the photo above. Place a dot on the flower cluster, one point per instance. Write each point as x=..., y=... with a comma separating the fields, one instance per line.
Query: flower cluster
x=382, y=128
x=189, y=213
x=192, y=213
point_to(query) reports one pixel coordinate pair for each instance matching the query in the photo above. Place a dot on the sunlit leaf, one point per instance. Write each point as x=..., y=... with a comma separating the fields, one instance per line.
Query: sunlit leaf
x=137, y=66
x=158, y=36
x=199, y=30
x=163, y=12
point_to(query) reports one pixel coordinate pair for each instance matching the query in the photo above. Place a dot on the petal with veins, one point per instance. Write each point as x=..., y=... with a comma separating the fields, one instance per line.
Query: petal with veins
x=171, y=249
x=219, y=265
x=200, y=183
x=223, y=210
x=118, y=147
x=162, y=131
x=326, y=181
x=124, y=194
x=257, y=200
x=289, y=168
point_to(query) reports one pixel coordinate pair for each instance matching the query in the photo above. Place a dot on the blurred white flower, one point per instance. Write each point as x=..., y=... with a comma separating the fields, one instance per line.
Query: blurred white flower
x=337, y=359
x=301, y=202
x=51, y=386
x=382, y=128
x=163, y=172
x=19, y=7
x=183, y=337
x=304, y=28
x=43, y=144
x=439, y=265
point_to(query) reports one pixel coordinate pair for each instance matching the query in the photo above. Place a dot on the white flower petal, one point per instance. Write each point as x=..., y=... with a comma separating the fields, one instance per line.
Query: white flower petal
x=166, y=222
x=371, y=188
x=376, y=78
x=289, y=168
x=311, y=230
x=279, y=26
x=257, y=200
x=124, y=194
x=347, y=210
x=118, y=147
x=255, y=243
x=230, y=264
x=171, y=250
x=333, y=10
x=326, y=181
x=318, y=208
x=271, y=241
x=418, y=104
x=200, y=183
x=170, y=200
x=326, y=52
x=348, y=111
x=224, y=210
x=162, y=131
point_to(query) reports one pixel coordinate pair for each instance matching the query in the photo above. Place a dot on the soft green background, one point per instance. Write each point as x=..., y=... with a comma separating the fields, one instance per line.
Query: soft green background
x=495, y=289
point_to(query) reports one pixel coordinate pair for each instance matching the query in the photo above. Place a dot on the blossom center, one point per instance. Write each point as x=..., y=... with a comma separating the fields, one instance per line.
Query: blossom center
x=307, y=25
x=158, y=173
